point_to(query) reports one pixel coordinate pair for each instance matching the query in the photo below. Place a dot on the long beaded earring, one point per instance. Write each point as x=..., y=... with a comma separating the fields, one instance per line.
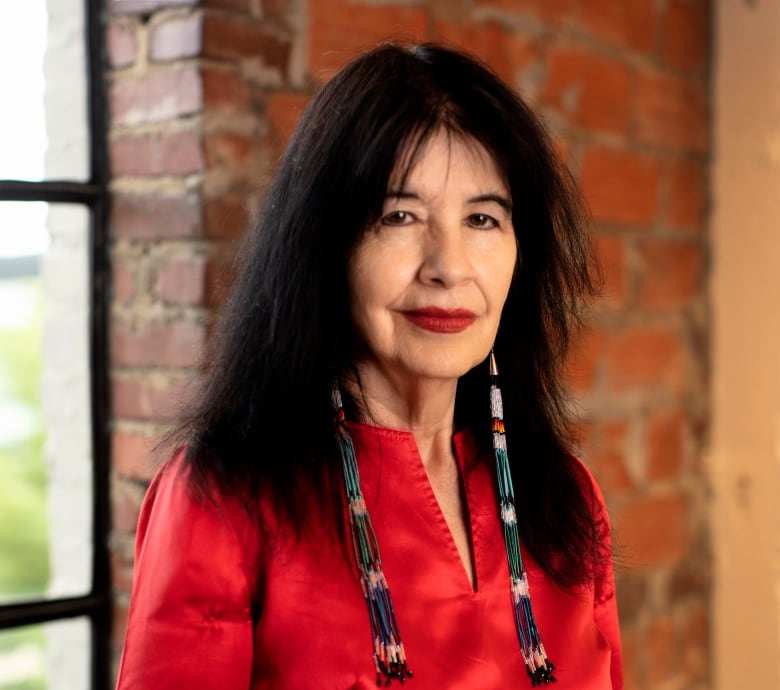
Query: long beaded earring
x=389, y=654
x=537, y=664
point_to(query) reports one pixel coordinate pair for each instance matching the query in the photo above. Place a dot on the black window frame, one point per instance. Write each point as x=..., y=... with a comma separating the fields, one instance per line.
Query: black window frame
x=97, y=604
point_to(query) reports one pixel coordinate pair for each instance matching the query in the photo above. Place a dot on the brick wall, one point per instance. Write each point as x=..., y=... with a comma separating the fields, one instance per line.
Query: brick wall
x=203, y=96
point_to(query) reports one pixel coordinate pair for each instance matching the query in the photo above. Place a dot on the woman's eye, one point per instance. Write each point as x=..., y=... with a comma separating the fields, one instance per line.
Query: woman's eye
x=482, y=220
x=397, y=218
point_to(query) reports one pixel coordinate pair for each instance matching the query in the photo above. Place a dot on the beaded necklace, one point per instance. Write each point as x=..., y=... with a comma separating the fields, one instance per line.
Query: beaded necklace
x=388, y=649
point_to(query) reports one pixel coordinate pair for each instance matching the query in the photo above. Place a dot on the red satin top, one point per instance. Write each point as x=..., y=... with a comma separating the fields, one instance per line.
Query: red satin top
x=216, y=607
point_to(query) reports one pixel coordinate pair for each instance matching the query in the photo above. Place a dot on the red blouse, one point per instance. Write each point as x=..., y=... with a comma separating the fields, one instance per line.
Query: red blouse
x=216, y=607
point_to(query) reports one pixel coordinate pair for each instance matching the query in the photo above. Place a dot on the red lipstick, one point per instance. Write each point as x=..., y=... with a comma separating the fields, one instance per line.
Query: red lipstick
x=440, y=320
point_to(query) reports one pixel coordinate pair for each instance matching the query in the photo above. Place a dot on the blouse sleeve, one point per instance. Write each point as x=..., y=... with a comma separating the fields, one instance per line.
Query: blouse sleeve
x=190, y=620
x=605, y=611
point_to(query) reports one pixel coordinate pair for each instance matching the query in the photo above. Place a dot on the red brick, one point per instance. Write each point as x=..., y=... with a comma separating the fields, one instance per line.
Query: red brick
x=219, y=273
x=121, y=573
x=224, y=91
x=696, y=640
x=653, y=531
x=644, y=358
x=672, y=111
x=617, y=22
x=144, y=6
x=229, y=149
x=131, y=455
x=686, y=35
x=275, y=9
x=169, y=153
x=507, y=52
x=630, y=659
x=179, y=37
x=243, y=6
x=671, y=275
x=604, y=450
x=664, y=651
x=126, y=502
x=176, y=344
x=233, y=38
x=687, y=195
x=154, y=217
x=121, y=44
x=339, y=30
x=224, y=216
x=621, y=187
x=611, y=254
x=664, y=444
x=119, y=623
x=181, y=281
x=593, y=90
x=583, y=362
x=283, y=111
x=122, y=282
x=161, y=95
x=138, y=398
x=548, y=10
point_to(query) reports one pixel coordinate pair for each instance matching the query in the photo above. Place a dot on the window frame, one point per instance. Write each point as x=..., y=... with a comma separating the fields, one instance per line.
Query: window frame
x=97, y=604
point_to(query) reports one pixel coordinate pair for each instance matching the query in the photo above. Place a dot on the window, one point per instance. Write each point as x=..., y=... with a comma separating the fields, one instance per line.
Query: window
x=55, y=599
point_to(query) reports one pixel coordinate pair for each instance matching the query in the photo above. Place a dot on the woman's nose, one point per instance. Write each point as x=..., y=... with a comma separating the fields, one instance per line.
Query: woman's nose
x=446, y=260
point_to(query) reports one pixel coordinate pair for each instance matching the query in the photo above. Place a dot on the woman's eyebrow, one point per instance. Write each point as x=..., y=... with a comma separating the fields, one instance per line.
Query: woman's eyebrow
x=502, y=201
x=401, y=194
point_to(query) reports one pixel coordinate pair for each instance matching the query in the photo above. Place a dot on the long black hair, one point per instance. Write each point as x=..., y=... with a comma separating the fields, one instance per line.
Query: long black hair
x=262, y=420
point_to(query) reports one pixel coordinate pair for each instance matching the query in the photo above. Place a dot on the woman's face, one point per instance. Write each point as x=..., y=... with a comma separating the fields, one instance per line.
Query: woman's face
x=429, y=281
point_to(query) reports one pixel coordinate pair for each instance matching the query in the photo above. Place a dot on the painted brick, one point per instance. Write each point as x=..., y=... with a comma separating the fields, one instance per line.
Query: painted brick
x=219, y=273
x=176, y=344
x=686, y=35
x=122, y=45
x=671, y=111
x=339, y=30
x=643, y=358
x=617, y=22
x=131, y=455
x=144, y=6
x=169, y=153
x=176, y=38
x=687, y=195
x=653, y=531
x=139, y=398
x=233, y=38
x=671, y=274
x=181, y=281
x=122, y=282
x=621, y=186
x=283, y=111
x=507, y=52
x=156, y=96
x=155, y=217
x=592, y=90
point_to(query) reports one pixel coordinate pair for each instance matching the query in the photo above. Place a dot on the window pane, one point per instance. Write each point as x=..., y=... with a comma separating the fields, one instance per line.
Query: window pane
x=43, y=135
x=53, y=656
x=45, y=438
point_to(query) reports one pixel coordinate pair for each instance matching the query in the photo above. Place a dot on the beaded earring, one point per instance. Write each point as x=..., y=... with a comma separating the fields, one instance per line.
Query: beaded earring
x=389, y=654
x=537, y=664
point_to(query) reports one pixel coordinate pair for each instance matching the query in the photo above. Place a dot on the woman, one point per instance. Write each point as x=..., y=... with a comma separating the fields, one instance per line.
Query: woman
x=419, y=229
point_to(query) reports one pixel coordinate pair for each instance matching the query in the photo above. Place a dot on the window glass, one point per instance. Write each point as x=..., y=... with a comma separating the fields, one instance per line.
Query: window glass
x=43, y=124
x=45, y=438
x=51, y=656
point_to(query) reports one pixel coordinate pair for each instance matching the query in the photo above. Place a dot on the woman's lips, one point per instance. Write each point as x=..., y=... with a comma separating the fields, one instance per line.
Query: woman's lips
x=440, y=320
